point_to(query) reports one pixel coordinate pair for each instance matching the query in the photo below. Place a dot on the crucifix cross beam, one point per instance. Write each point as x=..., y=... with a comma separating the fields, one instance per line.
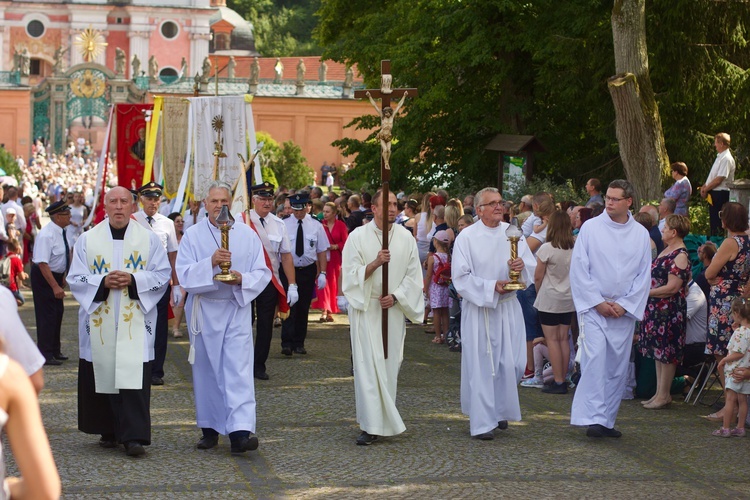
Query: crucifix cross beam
x=385, y=136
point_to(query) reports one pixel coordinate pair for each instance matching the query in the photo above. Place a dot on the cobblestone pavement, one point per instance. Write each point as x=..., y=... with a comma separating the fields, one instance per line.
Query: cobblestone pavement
x=307, y=428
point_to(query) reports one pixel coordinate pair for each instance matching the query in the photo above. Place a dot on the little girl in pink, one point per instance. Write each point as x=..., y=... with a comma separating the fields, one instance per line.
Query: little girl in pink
x=437, y=294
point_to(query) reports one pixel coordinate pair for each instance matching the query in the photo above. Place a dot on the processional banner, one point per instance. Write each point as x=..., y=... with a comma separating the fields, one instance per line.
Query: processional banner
x=131, y=143
x=218, y=124
x=174, y=136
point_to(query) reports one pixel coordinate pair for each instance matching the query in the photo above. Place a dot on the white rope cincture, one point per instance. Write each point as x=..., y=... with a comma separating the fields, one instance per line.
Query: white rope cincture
x=489, y=343
x=195, y=326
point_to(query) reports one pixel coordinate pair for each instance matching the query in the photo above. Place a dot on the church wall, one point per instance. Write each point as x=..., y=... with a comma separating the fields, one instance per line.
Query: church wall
x=117, y=39
x=169, y=52
x=15, y=108
x=313, y=124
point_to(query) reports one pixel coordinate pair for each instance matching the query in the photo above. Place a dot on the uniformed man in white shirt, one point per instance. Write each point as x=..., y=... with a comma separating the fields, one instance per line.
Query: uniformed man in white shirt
x=272, y=234
x=309, y=244
x=150, y=218
x=50, y=264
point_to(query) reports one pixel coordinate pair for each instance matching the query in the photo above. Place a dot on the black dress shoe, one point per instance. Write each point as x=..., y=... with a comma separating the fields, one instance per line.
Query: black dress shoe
x=366, y=439
x=502, y=425
x=60, y=356
x=243, y=444
x=108, y=442
x=52, y=362
x=207, y=442
x=157, y=380
x=300, y=350
x=134, y=449
x=597, y=431
x=286, y=351
x=261, y=376
x=486, y=436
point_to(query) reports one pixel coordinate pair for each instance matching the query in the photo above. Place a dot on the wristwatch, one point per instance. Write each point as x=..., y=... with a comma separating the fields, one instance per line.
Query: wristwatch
x=395, y=300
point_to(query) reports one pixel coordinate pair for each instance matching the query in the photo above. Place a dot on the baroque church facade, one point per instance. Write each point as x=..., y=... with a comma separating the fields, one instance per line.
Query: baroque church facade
x=58, y=56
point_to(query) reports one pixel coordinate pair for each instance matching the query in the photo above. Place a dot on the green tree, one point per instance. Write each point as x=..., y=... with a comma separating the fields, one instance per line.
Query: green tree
x=285, y=161
x=281, y=27
x=539, y=67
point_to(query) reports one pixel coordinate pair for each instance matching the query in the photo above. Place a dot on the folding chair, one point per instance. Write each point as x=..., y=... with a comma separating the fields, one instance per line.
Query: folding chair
x=707, y=370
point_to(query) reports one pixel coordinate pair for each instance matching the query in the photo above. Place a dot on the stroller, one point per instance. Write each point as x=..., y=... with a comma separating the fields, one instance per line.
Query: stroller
x=453, y=338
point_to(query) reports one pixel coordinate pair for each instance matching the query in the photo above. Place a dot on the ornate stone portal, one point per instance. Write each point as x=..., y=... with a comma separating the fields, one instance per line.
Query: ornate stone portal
x=83, y=92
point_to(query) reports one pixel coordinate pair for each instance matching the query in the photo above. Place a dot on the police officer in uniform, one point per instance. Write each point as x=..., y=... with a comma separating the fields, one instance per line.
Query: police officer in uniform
x=150, y=218
x=309, y=244
x=50, y=264
x=272, y=233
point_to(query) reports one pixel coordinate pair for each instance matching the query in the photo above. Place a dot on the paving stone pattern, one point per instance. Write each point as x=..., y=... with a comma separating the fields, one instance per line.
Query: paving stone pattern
x=307, y=428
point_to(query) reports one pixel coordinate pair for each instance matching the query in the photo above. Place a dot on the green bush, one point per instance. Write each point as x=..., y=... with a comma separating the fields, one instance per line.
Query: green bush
x=8, y=163
x=289, y=167
x=561, y=192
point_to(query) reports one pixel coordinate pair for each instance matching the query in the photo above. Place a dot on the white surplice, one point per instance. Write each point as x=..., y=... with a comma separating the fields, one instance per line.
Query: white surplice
x=219, y=321
x=376, y=378
x=150, y=282
x=493, y=338
x=611, y=262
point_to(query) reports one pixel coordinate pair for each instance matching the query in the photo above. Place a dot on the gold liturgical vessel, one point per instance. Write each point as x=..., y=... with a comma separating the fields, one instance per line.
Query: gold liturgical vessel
x=514, y=234
x=225, y=221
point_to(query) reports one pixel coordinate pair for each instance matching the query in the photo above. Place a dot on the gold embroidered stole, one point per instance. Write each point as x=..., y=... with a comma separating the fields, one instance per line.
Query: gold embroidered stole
x=117, y=341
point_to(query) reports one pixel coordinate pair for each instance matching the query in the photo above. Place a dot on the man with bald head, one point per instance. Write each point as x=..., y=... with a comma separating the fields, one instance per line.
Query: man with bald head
x=118, y=275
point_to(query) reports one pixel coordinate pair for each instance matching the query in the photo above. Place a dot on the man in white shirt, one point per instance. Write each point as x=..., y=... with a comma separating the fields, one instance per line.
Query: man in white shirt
x=51, y=262
x=309, y=243
x=272, y=233
x=716, y=190
x=150, y=218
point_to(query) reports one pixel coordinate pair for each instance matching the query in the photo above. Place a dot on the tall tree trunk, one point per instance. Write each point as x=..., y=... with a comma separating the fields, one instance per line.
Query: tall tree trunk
x=639, y=131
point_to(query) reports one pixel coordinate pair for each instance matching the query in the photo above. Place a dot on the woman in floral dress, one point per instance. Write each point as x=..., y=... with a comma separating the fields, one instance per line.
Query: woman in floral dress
x=727, y=274
x=662, y=335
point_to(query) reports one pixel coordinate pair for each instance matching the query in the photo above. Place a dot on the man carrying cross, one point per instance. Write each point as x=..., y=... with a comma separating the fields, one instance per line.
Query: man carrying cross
x=375, y=377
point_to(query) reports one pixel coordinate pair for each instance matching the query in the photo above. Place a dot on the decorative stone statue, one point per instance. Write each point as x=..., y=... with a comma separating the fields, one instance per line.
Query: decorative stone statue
x=136, y=64
x=323, y=72
x=301, y=72
x=184, y=68
x=385, y=135
x=255, y=72
x=231, y=65
x=279, y=70
x=16, y=61
x=153, y=68
x=120, y=62
x=206, y=69
x=25, y=62
x=349, y=78
x=58, y=67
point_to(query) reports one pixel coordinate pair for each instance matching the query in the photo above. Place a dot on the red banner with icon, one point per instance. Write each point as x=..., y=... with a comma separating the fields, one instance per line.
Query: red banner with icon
x=131, y=143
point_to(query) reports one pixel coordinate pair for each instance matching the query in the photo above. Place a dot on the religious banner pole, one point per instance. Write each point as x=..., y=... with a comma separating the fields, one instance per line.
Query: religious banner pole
x=385, y=136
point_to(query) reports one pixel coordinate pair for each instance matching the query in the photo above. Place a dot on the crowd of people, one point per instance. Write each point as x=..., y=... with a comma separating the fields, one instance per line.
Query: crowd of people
x=542, y=293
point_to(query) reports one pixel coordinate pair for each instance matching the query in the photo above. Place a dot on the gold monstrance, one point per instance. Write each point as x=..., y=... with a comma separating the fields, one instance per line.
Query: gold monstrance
x=90, y=43
x=514, y=234
x=225, y=221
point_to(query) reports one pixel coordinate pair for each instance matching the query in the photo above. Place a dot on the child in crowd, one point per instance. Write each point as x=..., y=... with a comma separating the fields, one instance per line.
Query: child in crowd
x=435, y=288
x=738, y=357
x=543, y=374
x=17, y=276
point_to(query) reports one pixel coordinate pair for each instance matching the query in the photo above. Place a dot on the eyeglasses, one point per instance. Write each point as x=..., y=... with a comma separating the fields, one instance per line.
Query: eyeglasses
x=492, y=204
x=721, y=214
x=613, y=199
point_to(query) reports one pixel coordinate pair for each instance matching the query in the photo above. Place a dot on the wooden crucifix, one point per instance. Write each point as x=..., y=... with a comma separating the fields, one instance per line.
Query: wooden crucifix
x=385, y=135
